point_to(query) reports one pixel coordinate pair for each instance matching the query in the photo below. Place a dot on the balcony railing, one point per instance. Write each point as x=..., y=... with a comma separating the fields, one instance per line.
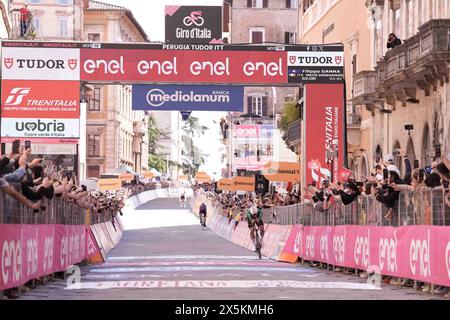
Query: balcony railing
x=364, y=88
x=294, y=133
x=420, y=62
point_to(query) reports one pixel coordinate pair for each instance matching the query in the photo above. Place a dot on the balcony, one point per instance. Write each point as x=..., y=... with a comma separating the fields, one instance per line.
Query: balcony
x=139, y=129
x=364, y=89
x=15, y=27
x=293, y=133
x=421, y=62
x=353, y=120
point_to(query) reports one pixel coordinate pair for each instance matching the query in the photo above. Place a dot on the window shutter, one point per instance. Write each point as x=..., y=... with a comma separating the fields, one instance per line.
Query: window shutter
x=265, y=3
x=249, y=104
x=288, y=3
x=264, y=106
x=287, y=37
x=249, y=3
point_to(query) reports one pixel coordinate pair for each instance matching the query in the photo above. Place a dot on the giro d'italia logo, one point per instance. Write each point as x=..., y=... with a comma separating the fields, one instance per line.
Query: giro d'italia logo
x=194, y=18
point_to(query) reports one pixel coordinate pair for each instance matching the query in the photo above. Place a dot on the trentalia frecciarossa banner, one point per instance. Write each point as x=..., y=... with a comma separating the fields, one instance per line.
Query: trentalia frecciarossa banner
x=324, y=150
x=173, y=63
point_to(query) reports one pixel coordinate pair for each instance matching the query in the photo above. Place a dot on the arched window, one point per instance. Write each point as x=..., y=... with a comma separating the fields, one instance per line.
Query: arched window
x=397, y=158
x=364, y=167
x=426, y=147
x=410, y=150
x=378, y=154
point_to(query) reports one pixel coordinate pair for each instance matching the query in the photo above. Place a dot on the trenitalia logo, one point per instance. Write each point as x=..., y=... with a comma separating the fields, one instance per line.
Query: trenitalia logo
x=16, y=96
x=157, y=97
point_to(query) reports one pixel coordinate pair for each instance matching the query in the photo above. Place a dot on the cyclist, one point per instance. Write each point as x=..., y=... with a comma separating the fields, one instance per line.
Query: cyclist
x=254, y=215
x=202, y=213
x=183, y=199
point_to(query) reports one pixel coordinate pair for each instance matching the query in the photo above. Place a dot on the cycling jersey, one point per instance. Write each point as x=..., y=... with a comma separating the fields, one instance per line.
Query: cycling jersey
x=250, y=218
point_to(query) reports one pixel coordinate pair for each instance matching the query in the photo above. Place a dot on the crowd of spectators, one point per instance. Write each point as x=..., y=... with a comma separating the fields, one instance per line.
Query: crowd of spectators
x=33, y=184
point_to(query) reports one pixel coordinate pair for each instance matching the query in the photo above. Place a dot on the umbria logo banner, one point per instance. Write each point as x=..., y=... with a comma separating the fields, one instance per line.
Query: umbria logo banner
x=324, y=150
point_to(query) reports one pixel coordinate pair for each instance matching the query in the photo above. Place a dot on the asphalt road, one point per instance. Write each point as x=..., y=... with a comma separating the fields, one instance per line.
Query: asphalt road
x=164, y=254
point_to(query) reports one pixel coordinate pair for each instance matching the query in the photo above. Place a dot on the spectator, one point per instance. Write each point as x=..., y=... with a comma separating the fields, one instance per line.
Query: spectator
x=24, y=18
x=393, y=41
x=388, y=195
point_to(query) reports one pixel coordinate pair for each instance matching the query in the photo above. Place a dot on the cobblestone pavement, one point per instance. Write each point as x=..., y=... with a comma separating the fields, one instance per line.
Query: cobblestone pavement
x=164, y=254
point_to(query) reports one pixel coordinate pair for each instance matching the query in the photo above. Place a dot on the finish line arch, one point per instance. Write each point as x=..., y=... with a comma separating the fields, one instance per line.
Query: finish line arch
x=66, y=64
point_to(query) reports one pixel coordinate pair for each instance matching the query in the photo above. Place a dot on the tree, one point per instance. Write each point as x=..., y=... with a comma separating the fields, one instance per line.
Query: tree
x=193, y=156
x=155, y=160
x=291, y=112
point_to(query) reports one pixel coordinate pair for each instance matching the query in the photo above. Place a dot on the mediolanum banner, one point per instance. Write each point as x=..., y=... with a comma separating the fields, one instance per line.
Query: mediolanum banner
x=188, y=98
x=193, y=24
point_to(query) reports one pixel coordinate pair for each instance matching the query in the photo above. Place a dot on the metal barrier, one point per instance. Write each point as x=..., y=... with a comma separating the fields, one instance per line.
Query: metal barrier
x=57, y=211
x=424, y=207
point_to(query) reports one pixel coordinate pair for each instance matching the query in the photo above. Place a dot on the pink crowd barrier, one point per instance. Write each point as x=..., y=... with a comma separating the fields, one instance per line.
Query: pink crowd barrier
x=32, y=251
x=420, y=253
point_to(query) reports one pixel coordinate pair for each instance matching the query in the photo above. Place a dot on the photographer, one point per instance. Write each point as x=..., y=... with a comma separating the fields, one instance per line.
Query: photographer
x=387, y=194
x=349, y=194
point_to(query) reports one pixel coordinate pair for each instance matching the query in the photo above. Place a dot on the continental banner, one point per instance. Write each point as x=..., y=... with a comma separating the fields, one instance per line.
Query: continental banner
x=225, y=184
x=244, y=184
x=282, y=171
x=109, y=184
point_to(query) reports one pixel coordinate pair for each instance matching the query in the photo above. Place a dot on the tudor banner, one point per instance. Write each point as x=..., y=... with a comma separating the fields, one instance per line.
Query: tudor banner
x=193, y=24
x=188, y=98
x=324, y=112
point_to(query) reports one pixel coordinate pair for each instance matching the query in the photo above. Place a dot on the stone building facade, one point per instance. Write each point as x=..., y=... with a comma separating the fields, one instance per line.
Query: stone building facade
x=409, y=84
x=388, y=89
x=115, y=134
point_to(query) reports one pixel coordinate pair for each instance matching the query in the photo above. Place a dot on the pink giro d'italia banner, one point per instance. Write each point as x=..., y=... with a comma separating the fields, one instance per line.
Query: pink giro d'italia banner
x=31, y=251
x=414, y=252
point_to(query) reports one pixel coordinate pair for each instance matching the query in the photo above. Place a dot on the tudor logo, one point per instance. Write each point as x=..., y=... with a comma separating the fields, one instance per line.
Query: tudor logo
x=338, y=59
x=292, y=59
x=72, y=63
x=8, y=62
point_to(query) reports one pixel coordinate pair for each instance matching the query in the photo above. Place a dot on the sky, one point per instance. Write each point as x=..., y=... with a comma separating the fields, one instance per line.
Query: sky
x=150, y=15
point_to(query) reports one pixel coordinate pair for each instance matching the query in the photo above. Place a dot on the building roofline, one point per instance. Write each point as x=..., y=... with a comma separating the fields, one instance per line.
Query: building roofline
x=101, y=6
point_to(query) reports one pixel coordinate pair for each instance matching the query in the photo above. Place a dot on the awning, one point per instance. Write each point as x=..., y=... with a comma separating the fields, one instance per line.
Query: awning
x=282, y=171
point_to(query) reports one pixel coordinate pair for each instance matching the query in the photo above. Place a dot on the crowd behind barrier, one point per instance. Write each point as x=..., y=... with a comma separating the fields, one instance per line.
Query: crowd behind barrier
x=423, y=207
x=39, y=245
x=412, y=248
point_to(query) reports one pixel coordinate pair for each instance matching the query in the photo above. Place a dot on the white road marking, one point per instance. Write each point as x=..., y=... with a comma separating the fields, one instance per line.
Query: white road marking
x=199, y=268
x=221, y=284
x=193, y=257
